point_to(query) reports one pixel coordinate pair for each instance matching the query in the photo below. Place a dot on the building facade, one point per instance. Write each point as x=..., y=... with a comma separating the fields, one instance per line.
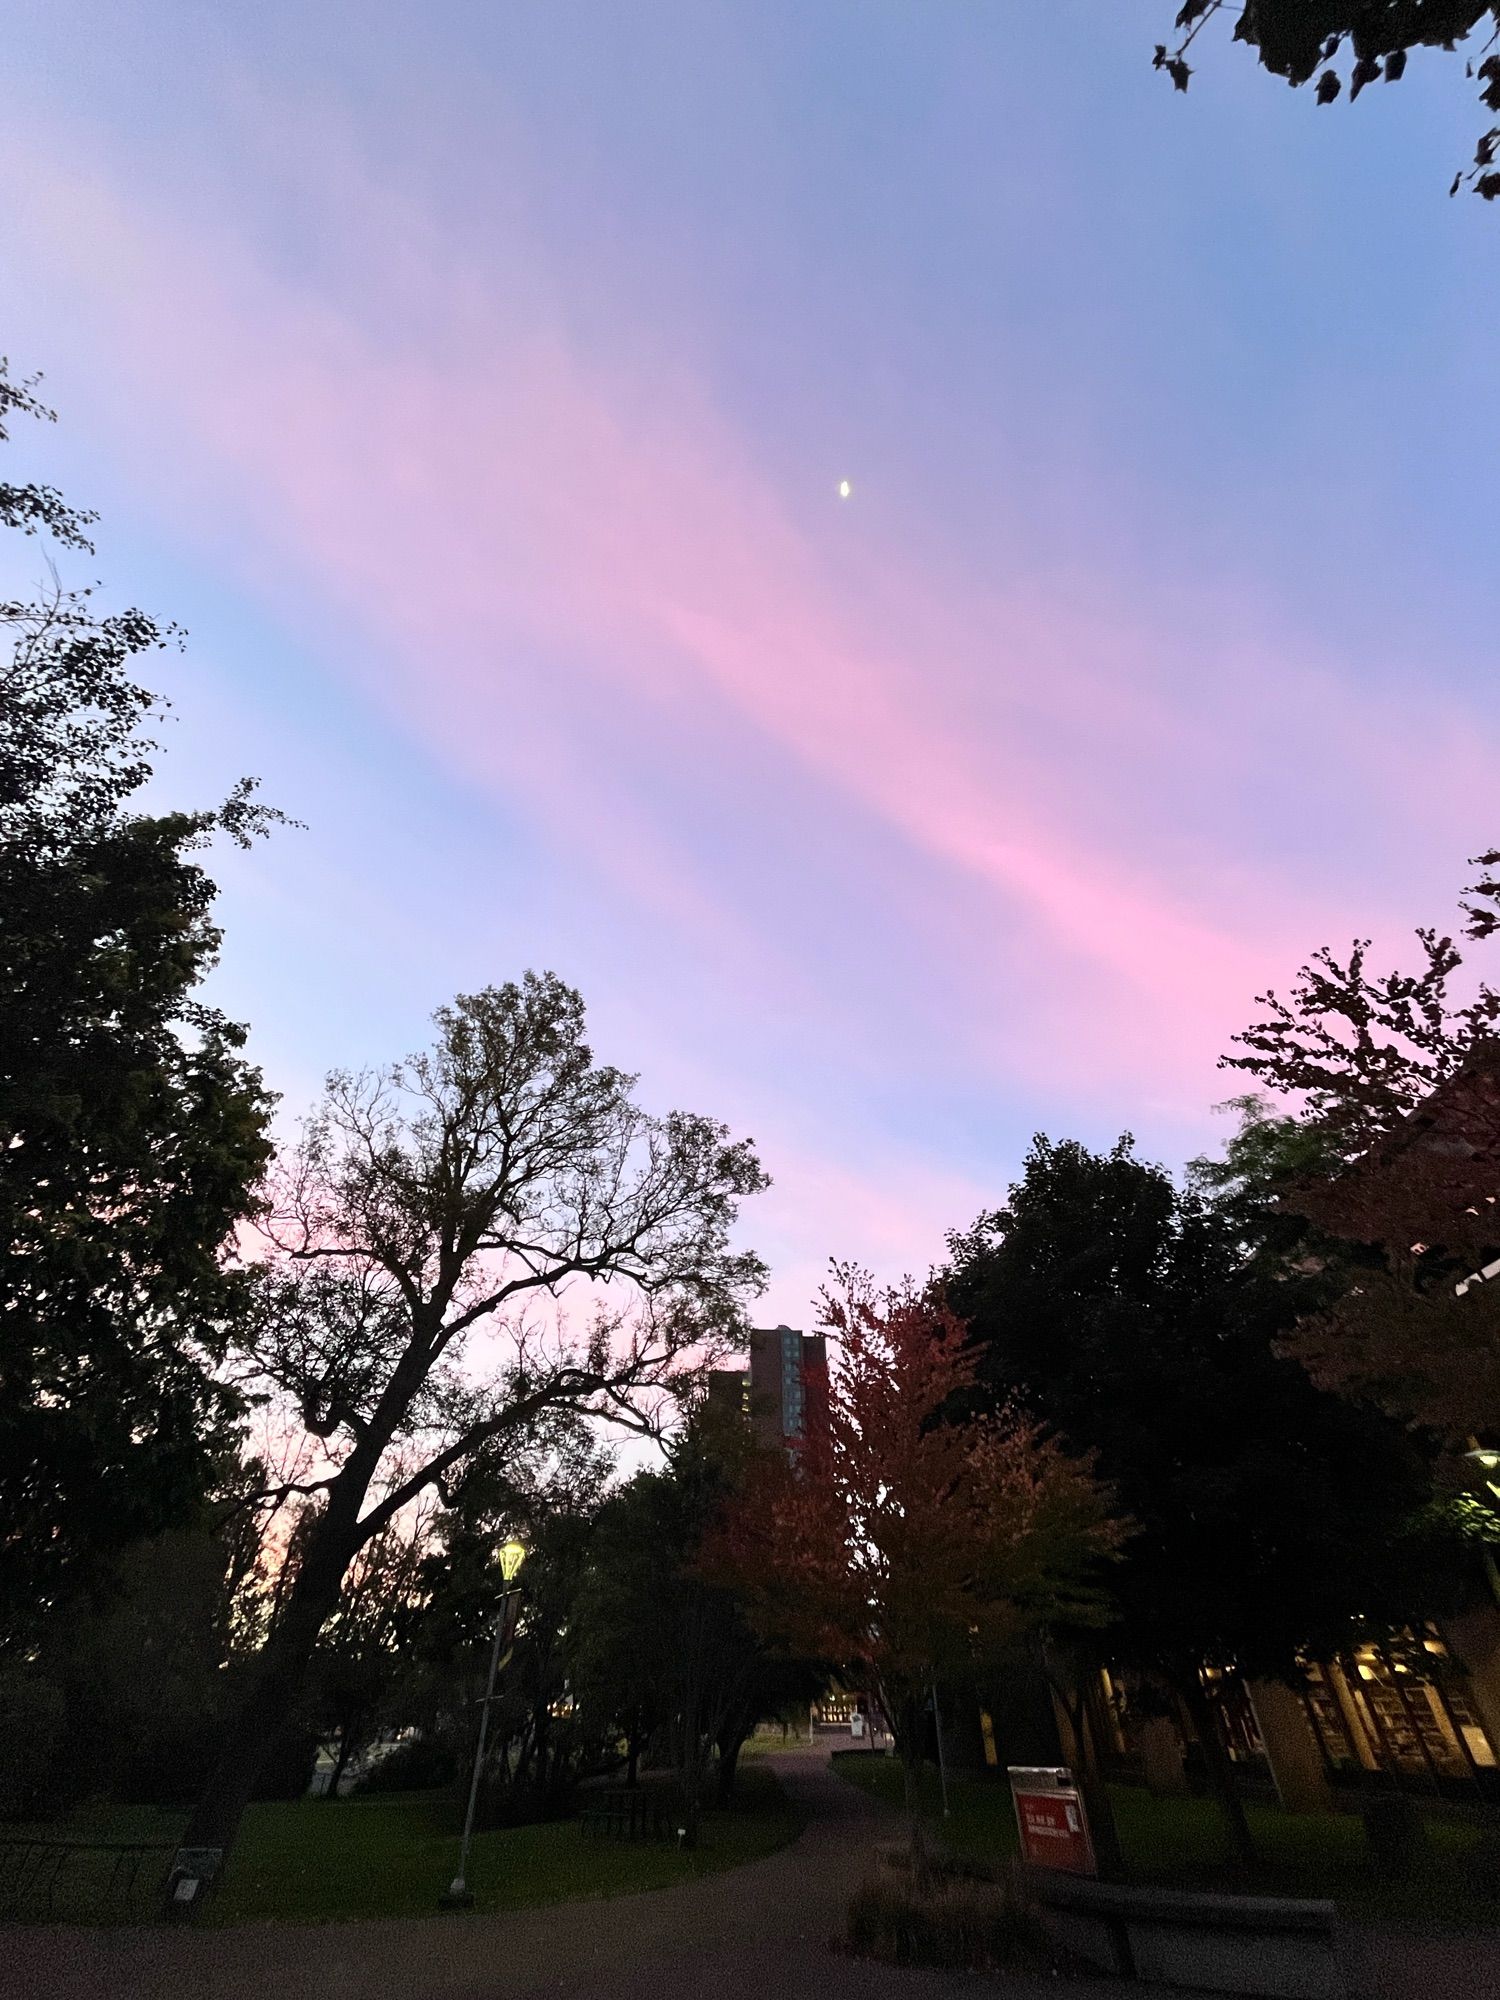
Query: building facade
x=784, y=1389
x=1417, y=1710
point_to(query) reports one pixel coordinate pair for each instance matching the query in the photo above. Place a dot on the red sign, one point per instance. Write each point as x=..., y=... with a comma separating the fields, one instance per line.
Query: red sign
x=1054, y=1830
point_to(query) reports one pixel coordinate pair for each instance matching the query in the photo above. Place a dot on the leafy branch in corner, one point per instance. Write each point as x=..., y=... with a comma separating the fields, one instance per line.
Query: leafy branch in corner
x=1355, y=41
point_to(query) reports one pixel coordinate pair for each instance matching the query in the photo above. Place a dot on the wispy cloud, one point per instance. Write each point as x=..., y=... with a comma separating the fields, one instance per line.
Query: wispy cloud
x=575, y=580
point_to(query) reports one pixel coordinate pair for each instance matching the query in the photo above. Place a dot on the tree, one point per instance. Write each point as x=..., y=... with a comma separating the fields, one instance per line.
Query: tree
x=1385, y=1172
x=133, y=1674
x=535, y=1748
x=357, y=1665
x=428, y=1204
x=1138, y=1319
x=1320, y=42
x=132, y=1130
x=663, y=1648
x=912, y=1538
x=1356, y=1051
x=1416, y=1328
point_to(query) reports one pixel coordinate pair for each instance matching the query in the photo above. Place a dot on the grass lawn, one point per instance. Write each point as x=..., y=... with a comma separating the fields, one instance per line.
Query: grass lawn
x=391, y=1856
x=772, y=1746
x=1180, y=1843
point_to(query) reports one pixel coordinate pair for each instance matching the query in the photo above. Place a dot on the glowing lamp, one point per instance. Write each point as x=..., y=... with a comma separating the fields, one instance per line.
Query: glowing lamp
x=511, y=1558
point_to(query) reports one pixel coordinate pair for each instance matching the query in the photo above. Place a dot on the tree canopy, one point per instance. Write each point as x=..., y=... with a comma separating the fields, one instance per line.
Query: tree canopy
x=914, y=1537
x=132, y=1129
x=663, y=1646
x=420, y=1241
x=1127, y=1312
x=1382, y=1166
x=1354, y=1050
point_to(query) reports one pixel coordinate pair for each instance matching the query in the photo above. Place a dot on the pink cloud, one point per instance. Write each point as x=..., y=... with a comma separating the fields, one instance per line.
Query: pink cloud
x=557, y=557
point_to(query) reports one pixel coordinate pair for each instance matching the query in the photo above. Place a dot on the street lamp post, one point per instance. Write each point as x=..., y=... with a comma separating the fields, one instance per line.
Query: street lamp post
x=459, y=1895
x=937, y=1717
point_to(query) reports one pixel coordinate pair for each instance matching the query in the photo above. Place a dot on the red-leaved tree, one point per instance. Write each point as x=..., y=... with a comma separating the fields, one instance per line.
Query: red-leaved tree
x=905, y=1540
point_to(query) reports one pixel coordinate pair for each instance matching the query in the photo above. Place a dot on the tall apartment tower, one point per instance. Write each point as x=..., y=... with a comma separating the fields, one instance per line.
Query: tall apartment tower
x=784, y=1392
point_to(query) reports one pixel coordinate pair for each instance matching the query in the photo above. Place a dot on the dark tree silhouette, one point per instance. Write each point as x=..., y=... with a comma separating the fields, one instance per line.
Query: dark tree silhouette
x=1358, y=1051
x=1334, y=44
x=1137, y=1319
x=427, y=1204
x=132, y=1130
x=916, y=1537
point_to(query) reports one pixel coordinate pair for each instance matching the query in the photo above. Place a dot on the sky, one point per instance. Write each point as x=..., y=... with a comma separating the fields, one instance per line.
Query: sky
x=474, y=383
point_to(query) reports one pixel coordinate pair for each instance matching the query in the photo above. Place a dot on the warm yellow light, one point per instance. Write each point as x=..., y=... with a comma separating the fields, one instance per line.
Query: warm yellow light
x=845, y=489
x=511, y=1558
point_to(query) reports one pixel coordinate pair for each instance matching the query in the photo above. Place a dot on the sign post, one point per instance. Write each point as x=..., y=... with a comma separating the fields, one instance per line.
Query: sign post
x=1053, y=1825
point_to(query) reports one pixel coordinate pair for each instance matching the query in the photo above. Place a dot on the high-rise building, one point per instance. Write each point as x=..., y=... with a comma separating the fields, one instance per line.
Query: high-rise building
x=784, y=1391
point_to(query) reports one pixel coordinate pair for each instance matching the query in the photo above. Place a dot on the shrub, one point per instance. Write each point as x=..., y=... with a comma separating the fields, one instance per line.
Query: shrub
x=522, y=1802
x=944, y=1921
x=1396, y=1832
x=1481, y=1866
x=418, y=1765
x=32, y=1722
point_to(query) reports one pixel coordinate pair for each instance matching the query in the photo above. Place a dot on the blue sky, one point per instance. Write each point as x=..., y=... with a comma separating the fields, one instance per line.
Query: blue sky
x=474, y=383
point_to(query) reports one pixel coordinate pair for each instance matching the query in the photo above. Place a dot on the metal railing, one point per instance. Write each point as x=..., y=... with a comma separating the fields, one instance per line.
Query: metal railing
x=73, y=1881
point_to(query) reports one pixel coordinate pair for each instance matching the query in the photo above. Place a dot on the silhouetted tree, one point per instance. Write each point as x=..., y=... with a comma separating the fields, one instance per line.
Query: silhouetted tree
x=1328, y=43
x=917, y=1534
x=427, y=1204
x=132, y=1130
x=662, y=1645
x=1385, y=1170
x=1416, y=1326
x=535, y=1746
x=1138, y=1320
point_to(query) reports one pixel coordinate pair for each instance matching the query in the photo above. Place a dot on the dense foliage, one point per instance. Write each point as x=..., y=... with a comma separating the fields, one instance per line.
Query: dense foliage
x=1126, y=1312
x=1381, y=1155
x=438, y=1205
x=132, y=1130
x=1139, y=1319
x=917, y=1536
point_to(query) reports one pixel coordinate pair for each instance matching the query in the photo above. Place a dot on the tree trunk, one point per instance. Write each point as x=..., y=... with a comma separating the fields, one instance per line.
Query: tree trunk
x=1067, y=1670
x=526, y=1755
x=541, y=1727
x=692, y=1762
x=1220, y=1771
x=279, y=1677
x=909, y=1746
x=729, y=1763
x=346, y=1744
x=632, y=1756
x=1108, y=1853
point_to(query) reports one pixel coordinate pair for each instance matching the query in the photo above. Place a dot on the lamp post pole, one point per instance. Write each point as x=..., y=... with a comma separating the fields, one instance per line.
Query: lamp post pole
x=459, y=1895
x=937, y=1716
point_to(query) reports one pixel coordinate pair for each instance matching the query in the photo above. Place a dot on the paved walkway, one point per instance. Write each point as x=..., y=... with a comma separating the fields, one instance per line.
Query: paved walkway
x=1405, y=1965
x=760, y=1932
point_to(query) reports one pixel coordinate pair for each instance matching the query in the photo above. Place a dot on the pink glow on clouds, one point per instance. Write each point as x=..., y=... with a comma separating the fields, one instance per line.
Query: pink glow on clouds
x=555, y=554
x=645, y=534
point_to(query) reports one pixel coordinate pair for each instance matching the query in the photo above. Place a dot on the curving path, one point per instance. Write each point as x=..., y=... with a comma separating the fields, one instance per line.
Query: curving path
x=760, y=1932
